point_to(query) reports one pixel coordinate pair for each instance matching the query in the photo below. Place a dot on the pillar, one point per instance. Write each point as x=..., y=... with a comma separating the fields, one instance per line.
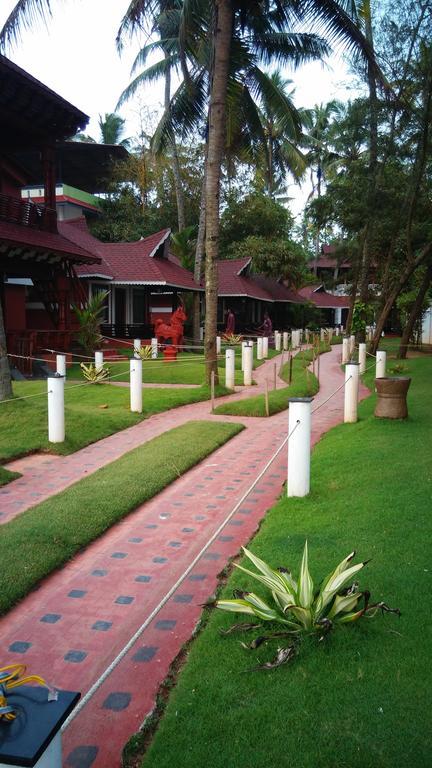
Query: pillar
x=259, y=348
x=345, y=351
x=299, y=431
x=285, y=341
x=99, y=359
x=229, y=368
x=362, y=357
x=380, y=370
x=351, y=392
x=265, y=346
x=136, y=385
x=154, y=348
x=61, y=365
x=56, y=417
x=137, y=347
x=248, y=364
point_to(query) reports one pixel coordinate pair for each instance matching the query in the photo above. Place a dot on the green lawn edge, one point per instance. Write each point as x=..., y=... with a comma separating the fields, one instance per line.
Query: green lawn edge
x=304, y=384
x=359, y=700
x=46, y=536
x=91, y=413
x=6, y=476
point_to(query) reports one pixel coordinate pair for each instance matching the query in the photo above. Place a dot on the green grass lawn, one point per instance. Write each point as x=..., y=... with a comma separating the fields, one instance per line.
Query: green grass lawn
x=6, y=476
x=303, y=384
x=23, y=424
x=46, y=536
x=361, y=699
x=188, y=369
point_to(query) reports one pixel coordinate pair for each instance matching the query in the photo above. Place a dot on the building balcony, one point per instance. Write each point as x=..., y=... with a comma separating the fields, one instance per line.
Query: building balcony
x=27, y=214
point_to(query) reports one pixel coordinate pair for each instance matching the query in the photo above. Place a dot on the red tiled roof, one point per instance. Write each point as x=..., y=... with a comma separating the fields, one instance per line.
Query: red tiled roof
x=42, y=241
x=233, y=283
x=130, y=263
x=323, y=299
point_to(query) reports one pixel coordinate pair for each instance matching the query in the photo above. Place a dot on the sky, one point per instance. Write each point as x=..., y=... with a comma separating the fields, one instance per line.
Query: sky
x=75, y=55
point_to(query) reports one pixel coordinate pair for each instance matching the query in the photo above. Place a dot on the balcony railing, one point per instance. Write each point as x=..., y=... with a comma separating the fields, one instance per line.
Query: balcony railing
x=27, y=214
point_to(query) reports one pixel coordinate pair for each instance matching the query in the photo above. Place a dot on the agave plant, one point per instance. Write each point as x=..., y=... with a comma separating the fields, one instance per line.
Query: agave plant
x=231, y=338
x=94, y=374
x=297, y=607
x=144, y=352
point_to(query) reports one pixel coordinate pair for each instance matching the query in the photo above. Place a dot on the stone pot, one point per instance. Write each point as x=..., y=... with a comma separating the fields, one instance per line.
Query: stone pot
x=392, y=393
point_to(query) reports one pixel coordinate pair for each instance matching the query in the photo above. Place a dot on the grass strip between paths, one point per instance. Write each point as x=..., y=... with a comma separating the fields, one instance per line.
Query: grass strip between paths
x=48, y=535
x=304, y=384
x=91, y=413
x=6, y=476
x=361, y=698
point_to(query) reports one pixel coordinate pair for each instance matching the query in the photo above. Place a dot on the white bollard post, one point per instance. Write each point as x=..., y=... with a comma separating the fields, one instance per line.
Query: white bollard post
x=337, y=331
x=265, y=347
x=154, y=348
x=352, y=345
x=299, y=431
x=56, y=417
x=322, y=334
x=277, y=341
x=137, y=347
x=218, y=345
x=362, y=357
x=259, y=348
x=136, y=386
x=98, y=359
x=229, y=368
x=307, y=335
x=285, y=341
x=351, y=392
x=380, y=368
x=243, y=346
x=345, y=351
x=61, y=365
x=248, y=364
x=201, y=333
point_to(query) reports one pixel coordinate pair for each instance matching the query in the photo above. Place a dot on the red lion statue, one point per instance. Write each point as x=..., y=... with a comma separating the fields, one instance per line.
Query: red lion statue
x=172, y=330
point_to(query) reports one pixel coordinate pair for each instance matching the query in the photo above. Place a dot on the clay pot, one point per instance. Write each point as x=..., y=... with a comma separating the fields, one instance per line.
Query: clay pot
x=392, y=393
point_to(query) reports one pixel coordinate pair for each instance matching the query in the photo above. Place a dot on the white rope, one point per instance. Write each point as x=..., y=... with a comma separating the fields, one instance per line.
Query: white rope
x=95, y=687
x=25, y=397
x=332, y=395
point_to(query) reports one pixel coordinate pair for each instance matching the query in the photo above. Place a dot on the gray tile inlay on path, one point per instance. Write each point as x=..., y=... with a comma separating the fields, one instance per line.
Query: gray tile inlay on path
x=76, y=657
x=197, y=576
x=82, y=757
x=182, y=598
x=99, y=572
x=77, y=593
x=146, y=653
x=51, y=618
x=143, y=579
x=165, y=624
x=117, y=701
x=20, y=647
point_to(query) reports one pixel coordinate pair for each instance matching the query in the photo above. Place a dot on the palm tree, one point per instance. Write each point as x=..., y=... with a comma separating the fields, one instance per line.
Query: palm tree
x=111, y=127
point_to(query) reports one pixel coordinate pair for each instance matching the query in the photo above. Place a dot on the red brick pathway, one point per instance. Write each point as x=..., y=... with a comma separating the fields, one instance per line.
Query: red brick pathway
x=73, y=627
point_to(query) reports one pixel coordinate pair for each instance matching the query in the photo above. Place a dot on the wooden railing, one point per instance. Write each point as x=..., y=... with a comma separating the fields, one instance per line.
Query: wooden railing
x=27, y=214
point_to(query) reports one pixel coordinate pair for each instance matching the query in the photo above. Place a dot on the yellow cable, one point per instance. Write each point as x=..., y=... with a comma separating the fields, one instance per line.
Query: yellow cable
x=12, y=676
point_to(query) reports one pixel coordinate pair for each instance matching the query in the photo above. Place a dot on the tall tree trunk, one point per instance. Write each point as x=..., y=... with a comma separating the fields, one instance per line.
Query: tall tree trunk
x=216, y=142
x=373, y=164
x=415, y=313
x=394, y=293
x=178, y=186
x=5, y=377
x=199, y=253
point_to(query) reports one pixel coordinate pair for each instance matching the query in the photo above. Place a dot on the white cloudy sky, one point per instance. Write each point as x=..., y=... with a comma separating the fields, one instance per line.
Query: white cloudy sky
x=76, y=56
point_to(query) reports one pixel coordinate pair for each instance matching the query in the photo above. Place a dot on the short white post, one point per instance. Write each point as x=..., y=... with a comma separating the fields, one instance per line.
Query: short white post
x=137, y=347
x=218, y=345
x=259, y=348
x=285, y=341
x=322, y=334
x=56, y=417
x=154, y=348
x=243, y=346
x=380, y=368
x=212, y=390
x=277, y=341
x=99, y=359
x=229, y=368
x=201, y=333
x=362, y=357
x=136, y=386
x=351, y=392
x=351, y=345
x=248, y=364
x=61, y=365
x=299, y=440
x=345, y=351
x=307, y=335
x=337, y=331
x=265, y=347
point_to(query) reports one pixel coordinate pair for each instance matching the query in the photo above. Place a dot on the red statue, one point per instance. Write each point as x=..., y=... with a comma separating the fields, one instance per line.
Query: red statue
x=172, y=330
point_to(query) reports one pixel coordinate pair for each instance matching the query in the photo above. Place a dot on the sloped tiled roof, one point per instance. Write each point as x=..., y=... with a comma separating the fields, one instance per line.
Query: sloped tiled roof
x=130, y=263
x=42, y=242
x=234, y=282
x=318, y=296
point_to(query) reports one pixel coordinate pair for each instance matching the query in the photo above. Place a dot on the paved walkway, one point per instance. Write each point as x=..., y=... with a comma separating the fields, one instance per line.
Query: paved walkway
x=81, y=618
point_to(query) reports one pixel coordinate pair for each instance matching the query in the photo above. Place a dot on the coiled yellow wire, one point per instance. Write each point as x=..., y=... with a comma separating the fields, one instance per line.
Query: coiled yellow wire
x=11, y=677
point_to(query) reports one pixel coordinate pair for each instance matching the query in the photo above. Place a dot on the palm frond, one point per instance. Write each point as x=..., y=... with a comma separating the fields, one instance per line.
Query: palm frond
x=23, y=16
x=290, y=48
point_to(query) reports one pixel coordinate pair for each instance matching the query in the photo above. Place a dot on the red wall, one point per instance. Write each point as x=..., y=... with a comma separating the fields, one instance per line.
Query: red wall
x=14, y=305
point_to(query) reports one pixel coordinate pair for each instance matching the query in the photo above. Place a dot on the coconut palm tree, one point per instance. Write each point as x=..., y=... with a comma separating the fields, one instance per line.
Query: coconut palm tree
x=111, y=127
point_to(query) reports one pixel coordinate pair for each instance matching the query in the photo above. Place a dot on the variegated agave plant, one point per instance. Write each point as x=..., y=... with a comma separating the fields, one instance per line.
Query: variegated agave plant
x=231, y=338
x=144, y=352
x=297, y=606
x=94, y=374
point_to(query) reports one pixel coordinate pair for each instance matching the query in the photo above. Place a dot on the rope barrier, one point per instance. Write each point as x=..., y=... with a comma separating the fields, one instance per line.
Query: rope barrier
x=332, y=395
x=25, y=397
x=95, y=687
